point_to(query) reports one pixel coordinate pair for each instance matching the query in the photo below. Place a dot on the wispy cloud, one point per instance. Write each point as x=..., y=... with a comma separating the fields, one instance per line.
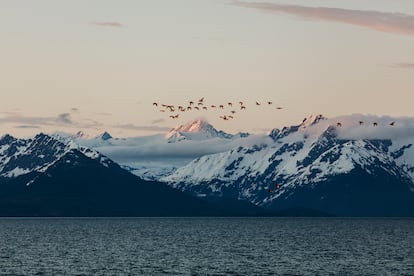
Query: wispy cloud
x=27, y=126
x=402, y=65
x=388, y=22
x=64, y=118
x=112, y=24
x=143, y=149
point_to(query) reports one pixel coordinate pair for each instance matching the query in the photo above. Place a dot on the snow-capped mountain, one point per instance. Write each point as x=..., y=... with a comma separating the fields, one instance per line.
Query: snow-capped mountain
x=347, y=153
x=37, y=154
x=104, y=136
x=156, y=156
x=195, y=130
x=53, y=176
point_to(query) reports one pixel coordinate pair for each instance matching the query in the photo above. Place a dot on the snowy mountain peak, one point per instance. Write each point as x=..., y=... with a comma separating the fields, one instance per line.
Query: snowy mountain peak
x=37, y=154
x=195, y=130
x=312, y=120
x=105, y=136
x=193, y=126
x=79, y=134
x=276, y=133
x=5, y=139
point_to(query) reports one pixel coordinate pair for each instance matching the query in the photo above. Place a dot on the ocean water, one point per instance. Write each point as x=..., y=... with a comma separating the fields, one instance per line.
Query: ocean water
x=206, y=246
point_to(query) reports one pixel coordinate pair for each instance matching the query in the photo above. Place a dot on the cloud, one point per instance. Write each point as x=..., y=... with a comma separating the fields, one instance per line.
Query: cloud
x=26, y=126
x=108, y=24
x=402, y=65
x=30, y=120
x=157, y=149
x=388, y=22
x=64, y=118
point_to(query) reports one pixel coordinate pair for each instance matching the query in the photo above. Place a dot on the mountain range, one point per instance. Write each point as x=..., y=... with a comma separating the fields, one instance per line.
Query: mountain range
x=52, y=176
x=316, y=164
x=352, y=165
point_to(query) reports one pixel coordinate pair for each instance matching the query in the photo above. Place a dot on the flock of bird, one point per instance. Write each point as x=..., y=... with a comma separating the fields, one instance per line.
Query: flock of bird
x=339, y=124
x=200, y=105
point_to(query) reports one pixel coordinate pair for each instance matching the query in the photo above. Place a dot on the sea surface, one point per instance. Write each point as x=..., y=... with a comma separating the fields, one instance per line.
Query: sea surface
x=206, y=246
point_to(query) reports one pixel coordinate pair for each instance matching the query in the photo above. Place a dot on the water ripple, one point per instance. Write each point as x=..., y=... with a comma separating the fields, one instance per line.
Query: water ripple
x=206, y=246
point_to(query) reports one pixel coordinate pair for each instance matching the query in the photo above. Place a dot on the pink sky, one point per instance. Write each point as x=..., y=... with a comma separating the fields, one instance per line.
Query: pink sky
x=69, y=67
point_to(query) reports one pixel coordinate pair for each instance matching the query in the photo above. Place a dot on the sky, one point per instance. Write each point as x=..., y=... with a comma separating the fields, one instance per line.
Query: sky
x=99, y=65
